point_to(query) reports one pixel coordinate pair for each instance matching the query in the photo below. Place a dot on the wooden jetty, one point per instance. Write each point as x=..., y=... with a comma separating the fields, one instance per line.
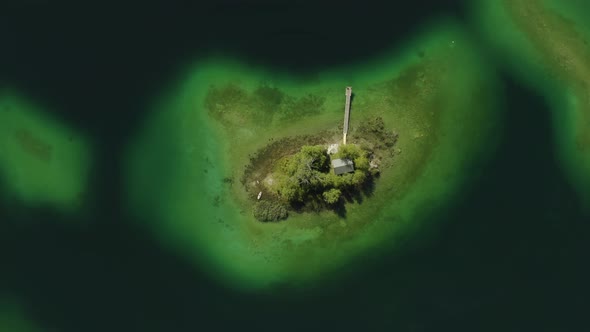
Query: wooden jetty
x=346, y=113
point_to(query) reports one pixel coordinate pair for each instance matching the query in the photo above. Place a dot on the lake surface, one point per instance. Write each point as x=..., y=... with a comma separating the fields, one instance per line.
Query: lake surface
x=510, y=253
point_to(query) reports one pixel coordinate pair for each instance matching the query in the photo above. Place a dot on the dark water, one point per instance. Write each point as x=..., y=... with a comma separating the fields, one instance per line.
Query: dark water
x=511, y=256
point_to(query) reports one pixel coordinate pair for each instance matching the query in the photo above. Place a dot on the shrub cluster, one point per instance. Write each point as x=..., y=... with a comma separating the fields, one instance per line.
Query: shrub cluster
x=306, y=176
x=269, y=211
x=374, y=130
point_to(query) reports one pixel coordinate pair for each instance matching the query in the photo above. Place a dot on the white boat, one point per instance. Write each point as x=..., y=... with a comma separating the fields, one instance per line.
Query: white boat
x=259, y=194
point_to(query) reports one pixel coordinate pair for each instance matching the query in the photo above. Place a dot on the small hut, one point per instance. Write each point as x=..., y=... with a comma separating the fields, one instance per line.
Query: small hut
x=342, y=166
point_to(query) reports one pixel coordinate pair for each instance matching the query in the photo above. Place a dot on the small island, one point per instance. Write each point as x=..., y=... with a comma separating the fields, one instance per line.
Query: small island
x=194, y=172
x=312, y=173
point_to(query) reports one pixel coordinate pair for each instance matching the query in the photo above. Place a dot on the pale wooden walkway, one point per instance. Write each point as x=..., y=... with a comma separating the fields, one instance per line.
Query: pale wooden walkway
x=346, y=113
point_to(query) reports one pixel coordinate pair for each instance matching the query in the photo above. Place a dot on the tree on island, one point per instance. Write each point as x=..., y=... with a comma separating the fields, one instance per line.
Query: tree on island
x=305, y=176
x=332, y=196
x=305, y=180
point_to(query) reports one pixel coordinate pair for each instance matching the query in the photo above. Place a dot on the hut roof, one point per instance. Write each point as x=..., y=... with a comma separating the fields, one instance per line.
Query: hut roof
x=342, y=166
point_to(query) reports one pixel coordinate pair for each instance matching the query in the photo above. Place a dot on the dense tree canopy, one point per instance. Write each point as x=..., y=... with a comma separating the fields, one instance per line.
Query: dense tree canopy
x=332, y=196
x=307, y=175
x=306, y=179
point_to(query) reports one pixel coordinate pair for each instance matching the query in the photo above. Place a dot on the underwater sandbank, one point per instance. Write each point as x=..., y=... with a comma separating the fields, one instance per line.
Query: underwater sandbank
x=42, y=161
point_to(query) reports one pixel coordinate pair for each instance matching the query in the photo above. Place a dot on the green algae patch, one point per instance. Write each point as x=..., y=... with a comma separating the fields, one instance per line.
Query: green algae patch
x=185, y=170
x=547, y=44
x=41, y=160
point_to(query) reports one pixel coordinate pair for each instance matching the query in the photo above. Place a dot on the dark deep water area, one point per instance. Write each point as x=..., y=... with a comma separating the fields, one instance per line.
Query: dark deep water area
x=510, y=255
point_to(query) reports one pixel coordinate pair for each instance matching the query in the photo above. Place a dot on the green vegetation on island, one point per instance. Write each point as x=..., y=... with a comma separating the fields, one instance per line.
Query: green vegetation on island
x=307, y=181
